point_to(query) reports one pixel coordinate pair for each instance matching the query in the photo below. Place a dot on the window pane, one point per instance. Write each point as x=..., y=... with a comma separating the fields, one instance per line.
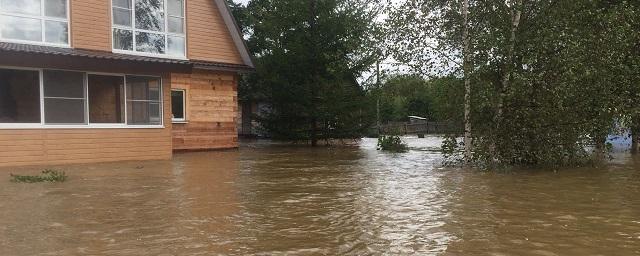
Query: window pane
x=19, y=96
x=56, y=32
x=154, y=113
x=122, y=17
x=63, y=84
x=106, y=99
x=174, y=7
x=176, y=46
x=143, y=88
x=143, y=100
x=122, y=3
x=151, y=43
x=31, y=7
x=149, y=15
x=177, y=104
x=122, y=39
x=143, y=113
x=176, y=25
x=63, y=111
x=20, y=28
x=55, y=8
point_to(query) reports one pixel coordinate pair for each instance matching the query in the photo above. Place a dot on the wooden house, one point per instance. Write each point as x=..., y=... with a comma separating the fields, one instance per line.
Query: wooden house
x=86, y=81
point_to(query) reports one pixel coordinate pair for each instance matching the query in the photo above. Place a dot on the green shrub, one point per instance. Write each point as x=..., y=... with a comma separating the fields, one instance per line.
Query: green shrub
x=46, y=176
x=392, y=143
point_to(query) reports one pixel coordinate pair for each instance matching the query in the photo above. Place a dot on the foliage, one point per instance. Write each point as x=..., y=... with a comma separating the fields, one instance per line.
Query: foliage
x=573, y=69
x=309, y=55
x=451, y=151
x=392, y=143
x=401, y=96
x=46, y=176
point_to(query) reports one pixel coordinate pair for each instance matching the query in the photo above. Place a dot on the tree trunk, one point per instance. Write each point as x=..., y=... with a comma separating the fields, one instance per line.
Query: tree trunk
x=635, y=136
x=508, y=70
x=468, y=143
x=314, y=75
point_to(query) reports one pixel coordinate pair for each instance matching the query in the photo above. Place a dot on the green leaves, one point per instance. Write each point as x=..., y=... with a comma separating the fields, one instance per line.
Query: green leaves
x=46, y=176
x=573, y=72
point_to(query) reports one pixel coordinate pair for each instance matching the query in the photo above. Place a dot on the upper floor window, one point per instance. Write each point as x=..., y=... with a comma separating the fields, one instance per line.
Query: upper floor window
x=155, y=27
x=39, y=21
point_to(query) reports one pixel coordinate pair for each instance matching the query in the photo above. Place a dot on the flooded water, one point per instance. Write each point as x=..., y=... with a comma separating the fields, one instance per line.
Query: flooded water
x=270, y=199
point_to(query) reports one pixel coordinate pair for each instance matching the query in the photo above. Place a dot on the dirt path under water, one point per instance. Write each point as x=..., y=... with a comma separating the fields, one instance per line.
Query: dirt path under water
x=268, y=199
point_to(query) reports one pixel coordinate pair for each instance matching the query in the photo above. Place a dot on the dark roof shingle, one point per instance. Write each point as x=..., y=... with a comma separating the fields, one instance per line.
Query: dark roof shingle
x=49, y=50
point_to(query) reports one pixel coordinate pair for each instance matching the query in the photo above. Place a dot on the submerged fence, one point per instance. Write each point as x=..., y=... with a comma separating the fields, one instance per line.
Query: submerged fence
x=419, y=128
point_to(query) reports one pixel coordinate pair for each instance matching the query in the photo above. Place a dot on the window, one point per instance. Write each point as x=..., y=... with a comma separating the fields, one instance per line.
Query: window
x=149, y=27
x=143, y=100
x=178, y=110
x=19, y=96
x=106, y=99
x=40, y=21
x=64, y=97
x=40, y=98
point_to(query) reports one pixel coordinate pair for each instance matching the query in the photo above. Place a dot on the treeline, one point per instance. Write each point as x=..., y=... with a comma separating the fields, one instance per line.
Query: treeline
x=401, y=96
x=538, y=82
x=545, y=80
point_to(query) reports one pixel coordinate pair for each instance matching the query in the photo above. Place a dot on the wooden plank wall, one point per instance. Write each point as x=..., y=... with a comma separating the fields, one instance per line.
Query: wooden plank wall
x=212, y=110
x=208, y=38
x=45, y=147
x=91, y=24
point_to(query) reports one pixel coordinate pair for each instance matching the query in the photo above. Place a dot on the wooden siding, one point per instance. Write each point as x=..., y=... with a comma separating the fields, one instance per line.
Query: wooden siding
x=212, y=110
x=45, y=147
x=91, y=24
x=208, y=38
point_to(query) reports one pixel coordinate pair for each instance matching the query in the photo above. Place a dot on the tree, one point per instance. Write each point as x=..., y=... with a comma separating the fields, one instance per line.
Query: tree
x=309, y=56
x=435, y=37
x=549, y=78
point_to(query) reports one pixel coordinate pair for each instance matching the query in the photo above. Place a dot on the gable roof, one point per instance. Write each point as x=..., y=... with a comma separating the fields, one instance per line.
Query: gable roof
x=236, y=35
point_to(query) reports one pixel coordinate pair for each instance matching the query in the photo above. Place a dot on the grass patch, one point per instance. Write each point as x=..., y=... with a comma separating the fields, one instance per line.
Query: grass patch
x=46, y=176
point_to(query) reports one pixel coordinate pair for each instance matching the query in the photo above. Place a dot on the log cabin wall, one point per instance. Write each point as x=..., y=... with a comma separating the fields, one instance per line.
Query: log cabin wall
x=212, y=110
x=45, y=147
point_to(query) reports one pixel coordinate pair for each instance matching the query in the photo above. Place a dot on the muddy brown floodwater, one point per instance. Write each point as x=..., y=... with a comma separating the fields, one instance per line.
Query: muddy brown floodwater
x=268, y=199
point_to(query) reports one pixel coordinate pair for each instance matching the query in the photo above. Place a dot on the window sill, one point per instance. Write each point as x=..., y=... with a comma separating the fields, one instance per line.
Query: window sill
x=179, y=121
x=161, y=56
x=95, y=126
x=27, y=42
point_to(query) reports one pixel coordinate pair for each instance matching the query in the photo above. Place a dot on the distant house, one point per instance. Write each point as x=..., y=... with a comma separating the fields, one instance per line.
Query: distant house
x=107, y=80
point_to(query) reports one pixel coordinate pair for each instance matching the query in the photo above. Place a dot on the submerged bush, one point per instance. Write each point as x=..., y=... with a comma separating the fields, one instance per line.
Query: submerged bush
x=46, y=176
x=392, y=143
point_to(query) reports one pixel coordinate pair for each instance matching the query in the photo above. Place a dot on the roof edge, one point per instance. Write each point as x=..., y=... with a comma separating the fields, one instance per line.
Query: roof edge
x=236, y=35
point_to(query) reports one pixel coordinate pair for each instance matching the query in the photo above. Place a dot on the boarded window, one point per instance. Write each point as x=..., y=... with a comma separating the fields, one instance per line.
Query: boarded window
x=106, y=99
x=19, y=96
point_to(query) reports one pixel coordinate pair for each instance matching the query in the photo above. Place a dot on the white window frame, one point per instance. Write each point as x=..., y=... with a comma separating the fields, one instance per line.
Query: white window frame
x=43, y=19
x=166, y=32
x=184, y=107
x=87, y=124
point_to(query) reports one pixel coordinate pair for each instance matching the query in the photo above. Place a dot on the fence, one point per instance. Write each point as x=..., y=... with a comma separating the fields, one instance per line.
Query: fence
x=419, y=128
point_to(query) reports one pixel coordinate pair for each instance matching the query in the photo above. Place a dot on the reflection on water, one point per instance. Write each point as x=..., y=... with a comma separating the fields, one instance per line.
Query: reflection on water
x=268, y=199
